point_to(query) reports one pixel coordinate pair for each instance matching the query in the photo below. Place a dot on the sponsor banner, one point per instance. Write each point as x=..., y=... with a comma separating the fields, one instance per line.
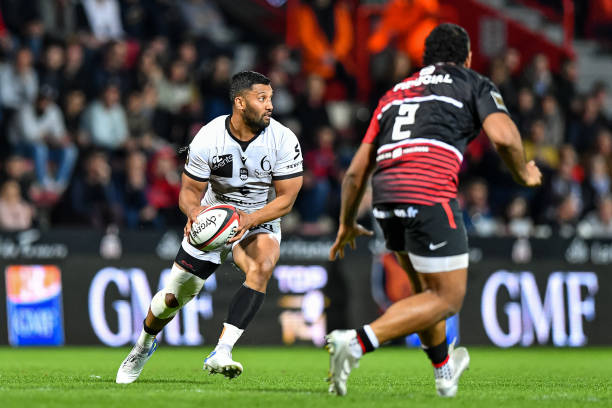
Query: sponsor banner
x=520, y=293
x=34, y=305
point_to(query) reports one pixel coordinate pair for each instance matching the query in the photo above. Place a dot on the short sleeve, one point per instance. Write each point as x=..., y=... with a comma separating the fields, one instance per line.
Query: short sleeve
x=196, y=164
x=289, y=162
x=488, y=100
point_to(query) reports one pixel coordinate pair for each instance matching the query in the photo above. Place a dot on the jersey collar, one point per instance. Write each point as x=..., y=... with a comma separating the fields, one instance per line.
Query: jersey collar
x=243, y=144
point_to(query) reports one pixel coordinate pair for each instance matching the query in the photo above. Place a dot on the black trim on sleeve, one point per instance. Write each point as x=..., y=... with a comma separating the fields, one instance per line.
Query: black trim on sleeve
x=196, y=178
x=287, y=176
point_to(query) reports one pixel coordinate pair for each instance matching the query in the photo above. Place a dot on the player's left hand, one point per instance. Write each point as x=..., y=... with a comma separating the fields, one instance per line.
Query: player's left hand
x=347, y=235
x=247, y=221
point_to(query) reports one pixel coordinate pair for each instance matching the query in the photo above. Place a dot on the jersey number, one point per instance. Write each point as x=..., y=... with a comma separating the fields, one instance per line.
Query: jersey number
x=405, y=116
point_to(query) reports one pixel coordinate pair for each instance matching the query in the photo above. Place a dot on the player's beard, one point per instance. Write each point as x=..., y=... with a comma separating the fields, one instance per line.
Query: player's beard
x=255, y=122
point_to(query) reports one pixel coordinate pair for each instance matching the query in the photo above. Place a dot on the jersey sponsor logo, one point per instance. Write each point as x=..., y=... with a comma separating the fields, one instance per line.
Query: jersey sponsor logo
x=227, y=199
x=409, y=212
x=222, y=165
x=433, y=247
x=267, y=227
x=499, y=101
x=398, y=152
x=244, y=174
x=424, y=80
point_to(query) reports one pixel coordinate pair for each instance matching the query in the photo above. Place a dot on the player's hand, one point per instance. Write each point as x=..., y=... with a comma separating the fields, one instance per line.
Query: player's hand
x=193, y=217
x=247, y=221
x=347, y=235
x=532, y=176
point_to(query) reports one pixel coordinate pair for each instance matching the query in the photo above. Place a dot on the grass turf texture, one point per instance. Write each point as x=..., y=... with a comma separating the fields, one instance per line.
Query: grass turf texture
x=294, y=377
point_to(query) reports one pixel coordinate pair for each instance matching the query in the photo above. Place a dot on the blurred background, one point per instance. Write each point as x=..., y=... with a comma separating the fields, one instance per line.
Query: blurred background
x=96, y=96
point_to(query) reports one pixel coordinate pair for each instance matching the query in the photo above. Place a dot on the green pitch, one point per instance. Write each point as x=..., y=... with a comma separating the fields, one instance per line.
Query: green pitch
x=294, y=377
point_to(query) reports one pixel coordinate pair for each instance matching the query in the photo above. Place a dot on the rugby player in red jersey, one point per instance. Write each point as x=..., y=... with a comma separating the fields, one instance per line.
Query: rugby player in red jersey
x=413, y=150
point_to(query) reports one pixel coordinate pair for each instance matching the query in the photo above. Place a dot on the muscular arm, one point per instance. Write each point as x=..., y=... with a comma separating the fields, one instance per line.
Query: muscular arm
x=503, y=133
x=189, y=199
x=355, y=182
x=353, y=187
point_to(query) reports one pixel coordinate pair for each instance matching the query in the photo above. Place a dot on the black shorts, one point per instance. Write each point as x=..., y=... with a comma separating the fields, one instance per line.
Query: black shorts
x=201, y=269
x=435, y=231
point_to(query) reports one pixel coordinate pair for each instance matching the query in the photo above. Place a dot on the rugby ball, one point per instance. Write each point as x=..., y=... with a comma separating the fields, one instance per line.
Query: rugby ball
x=214, y=226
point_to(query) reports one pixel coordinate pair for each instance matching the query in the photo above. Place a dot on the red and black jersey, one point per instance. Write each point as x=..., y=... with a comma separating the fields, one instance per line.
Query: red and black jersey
x=421, y=128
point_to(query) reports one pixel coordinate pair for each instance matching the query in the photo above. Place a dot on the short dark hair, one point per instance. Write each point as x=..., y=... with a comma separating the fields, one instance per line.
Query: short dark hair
x=446, y=43
x=245, y=80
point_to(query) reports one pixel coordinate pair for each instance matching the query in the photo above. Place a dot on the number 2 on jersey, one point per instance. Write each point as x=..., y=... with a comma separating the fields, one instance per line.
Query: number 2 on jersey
x=405, y=116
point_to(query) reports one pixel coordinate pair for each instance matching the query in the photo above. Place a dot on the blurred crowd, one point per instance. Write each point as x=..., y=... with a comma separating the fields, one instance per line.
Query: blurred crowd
x=97, y=97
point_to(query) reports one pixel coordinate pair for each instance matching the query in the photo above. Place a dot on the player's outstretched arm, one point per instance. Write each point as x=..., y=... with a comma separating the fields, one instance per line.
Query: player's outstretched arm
x=189, y=199
x=286, y=193
x=353, y=186
x=504, y=134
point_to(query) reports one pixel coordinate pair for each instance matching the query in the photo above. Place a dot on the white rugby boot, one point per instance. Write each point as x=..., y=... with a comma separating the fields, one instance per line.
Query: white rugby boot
x=448, y=380
x=344, y=354
x=132, y=366
x=219, y=361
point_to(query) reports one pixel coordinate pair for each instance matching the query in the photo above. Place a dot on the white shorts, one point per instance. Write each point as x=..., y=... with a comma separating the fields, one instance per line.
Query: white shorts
x=219, y=254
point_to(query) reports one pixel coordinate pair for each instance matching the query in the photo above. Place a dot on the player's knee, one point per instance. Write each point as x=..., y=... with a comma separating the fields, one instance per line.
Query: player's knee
x=261, y=271
x=171, y=300
x=453, y=300
x=164, y=305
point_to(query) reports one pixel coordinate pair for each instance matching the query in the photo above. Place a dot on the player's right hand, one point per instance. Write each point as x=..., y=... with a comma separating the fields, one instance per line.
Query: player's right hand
x=192, y=217
x=347, y=235
x=532, y=176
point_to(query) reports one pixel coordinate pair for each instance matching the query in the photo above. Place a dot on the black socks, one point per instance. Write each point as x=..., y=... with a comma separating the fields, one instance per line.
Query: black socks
x=245, y=304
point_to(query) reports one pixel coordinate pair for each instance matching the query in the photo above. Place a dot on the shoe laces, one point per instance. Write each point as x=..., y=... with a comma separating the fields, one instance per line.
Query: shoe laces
x=134, y=356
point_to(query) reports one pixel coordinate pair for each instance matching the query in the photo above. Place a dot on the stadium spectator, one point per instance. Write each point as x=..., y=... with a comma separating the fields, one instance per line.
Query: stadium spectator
x=539, y=77
x=553, y=121
x=58, y=17
x=325, y=32
x=561, y=184
x=582, y=131
x=312, y=113
x=476, y=212
x=500, y=75
x=165, y=186
x=321, y=171
x=526, y=111
x=133, y=187
x=407, y=23
x=105, y=120
x=74, y=74
x=18, y=82
x=74, y=106
x=566, y=85
x=597, y=182
x=19, y=169
x=99, y=21
x=50, y=70
x=112, y=68
x=214, y=88
x=598, y=223
x=39, y=132
x=15, y=213
x=518, y=222
x=538, y=148
x=204, y=21
x=94, y=199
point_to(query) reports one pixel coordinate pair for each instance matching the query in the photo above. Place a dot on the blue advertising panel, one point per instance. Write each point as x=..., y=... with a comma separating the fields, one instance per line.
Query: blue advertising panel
x=34, y=305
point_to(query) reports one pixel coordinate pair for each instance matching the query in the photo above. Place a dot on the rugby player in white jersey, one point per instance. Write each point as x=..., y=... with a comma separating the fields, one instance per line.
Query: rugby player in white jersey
x=252, y=162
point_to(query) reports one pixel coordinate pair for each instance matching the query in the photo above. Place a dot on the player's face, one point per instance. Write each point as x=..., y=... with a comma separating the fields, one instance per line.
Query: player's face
x=258, y=106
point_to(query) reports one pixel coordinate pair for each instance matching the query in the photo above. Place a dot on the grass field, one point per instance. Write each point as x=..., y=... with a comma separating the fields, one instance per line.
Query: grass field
x=294, y=377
